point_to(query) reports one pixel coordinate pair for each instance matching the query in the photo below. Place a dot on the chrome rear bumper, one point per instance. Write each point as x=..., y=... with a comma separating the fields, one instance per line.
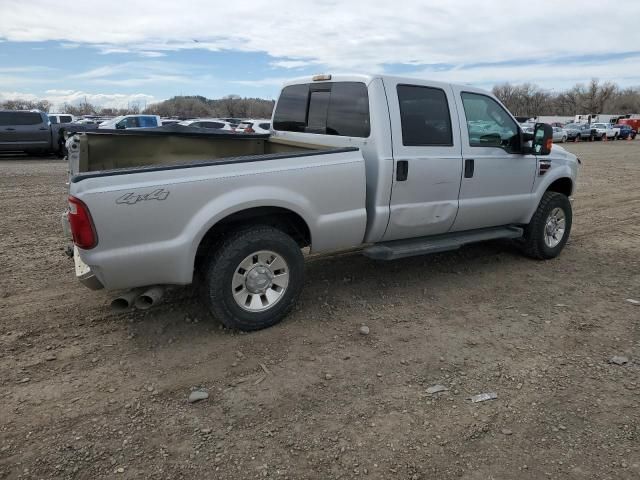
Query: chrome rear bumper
x=84, y=273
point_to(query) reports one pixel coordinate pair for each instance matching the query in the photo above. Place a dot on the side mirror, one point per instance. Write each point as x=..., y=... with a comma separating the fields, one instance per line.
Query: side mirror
x=120, y=126
x=542, y=139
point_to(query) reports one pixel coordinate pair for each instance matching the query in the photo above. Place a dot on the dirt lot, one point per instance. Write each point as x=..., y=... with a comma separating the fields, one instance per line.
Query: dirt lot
x=87, y=393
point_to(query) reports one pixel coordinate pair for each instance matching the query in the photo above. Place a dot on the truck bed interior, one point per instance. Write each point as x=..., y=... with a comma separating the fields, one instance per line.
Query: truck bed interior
x=109, y=150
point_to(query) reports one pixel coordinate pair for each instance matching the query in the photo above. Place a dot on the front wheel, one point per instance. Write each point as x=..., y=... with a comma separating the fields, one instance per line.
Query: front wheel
x=564, y=139
x=547, y=233
x=254, y=278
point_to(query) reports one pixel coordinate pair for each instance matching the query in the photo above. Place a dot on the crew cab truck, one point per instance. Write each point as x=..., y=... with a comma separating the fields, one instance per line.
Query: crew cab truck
x=397, y=166
x=29, y=131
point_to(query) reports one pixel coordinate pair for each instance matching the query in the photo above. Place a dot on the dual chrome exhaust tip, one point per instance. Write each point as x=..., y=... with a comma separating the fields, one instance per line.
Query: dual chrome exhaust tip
x=139, y=298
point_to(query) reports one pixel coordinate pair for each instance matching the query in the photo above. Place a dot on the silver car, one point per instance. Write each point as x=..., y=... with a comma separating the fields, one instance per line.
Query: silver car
x=560, y=134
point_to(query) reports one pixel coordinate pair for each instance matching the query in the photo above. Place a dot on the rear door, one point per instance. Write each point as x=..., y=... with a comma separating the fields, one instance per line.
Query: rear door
x=427, y=159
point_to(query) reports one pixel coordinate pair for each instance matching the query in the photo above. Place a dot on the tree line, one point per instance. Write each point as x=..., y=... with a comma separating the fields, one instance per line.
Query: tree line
x=178, y=107
x=523, y=100
x=197, y=106
x=593, y=98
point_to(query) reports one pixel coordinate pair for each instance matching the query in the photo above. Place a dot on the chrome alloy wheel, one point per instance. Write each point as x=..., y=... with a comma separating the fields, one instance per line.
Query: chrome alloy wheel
x=555, y=227
x=260, y=281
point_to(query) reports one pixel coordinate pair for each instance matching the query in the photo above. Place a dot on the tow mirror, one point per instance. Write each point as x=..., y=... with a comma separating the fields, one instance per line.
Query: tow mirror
x=542, y=139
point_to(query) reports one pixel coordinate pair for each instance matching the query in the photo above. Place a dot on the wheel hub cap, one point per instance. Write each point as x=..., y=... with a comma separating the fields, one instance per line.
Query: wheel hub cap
x=554, y=227
x=260, y=281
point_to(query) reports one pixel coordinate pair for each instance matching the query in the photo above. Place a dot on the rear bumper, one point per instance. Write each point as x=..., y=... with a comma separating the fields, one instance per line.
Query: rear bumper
x=83, y=271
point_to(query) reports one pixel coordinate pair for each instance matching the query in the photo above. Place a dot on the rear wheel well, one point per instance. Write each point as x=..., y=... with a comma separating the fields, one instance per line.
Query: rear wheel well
x=285, y=220
x=562, y=185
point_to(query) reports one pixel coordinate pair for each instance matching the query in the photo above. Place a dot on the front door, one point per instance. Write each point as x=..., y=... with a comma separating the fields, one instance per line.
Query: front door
x=427, y=159
x=497, y=181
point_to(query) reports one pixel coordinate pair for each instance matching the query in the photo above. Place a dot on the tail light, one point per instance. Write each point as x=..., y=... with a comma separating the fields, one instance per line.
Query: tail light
x=82, y=229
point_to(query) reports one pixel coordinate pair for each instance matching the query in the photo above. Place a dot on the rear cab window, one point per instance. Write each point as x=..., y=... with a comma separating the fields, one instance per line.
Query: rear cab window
x=331, y=108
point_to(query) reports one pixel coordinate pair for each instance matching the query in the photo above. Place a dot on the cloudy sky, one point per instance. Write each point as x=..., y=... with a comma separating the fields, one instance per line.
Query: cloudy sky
x=118, y=52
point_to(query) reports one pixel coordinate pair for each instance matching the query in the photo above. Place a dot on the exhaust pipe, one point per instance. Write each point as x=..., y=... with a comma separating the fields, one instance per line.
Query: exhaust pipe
x=125, y=301
x=150, y=298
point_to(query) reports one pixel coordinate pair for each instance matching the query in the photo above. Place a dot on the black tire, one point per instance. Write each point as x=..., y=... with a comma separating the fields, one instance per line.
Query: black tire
x=62, y=150
x=534, y=244
x=223, y=263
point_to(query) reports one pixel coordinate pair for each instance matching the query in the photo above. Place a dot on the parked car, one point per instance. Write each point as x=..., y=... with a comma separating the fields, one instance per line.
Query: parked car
x=626, y=131
x=132, y=121
x=232, y=121
x=603, y=130
x=29, y=131
x=559, y=135
x=352, y=160
x=616, y=131
x=169, y=121
x=60, y=118
x=254, y=126
x=583, y=131
x=634, y=123
x=211, y=123
x=573, y=130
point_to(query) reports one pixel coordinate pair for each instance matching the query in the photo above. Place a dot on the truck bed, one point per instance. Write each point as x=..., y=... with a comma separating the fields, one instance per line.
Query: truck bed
x=172, y=145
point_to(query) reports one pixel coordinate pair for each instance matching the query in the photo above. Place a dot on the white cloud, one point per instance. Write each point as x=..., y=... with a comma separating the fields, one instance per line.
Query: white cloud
x=353, y=35
x=74, y=97
x=145, y=72
x=150, y=54
x=292, y=63
x=545, y=74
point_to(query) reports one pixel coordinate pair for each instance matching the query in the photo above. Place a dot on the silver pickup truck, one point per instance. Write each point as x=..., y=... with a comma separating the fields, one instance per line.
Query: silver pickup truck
x=398, y=166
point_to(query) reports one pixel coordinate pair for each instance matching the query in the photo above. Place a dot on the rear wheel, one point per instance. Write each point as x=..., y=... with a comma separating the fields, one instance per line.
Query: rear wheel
x=564, y=139
x=254, y=278
x=547, y=233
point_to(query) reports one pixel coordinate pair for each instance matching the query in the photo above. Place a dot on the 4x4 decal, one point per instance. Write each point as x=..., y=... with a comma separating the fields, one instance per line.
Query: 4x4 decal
x=132, y=198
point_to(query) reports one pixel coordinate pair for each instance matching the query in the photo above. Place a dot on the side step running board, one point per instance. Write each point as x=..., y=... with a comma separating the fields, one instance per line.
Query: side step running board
x=438, y=243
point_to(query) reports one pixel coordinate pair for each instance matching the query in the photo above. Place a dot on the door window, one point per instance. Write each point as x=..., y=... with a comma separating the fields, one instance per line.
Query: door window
x=147, y=122
x=20, y=118
x=488, y=124
x=211, y=125
x=425, y=117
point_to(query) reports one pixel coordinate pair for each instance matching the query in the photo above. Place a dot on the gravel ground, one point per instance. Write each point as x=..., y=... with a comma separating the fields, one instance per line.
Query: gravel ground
x=89, y=393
